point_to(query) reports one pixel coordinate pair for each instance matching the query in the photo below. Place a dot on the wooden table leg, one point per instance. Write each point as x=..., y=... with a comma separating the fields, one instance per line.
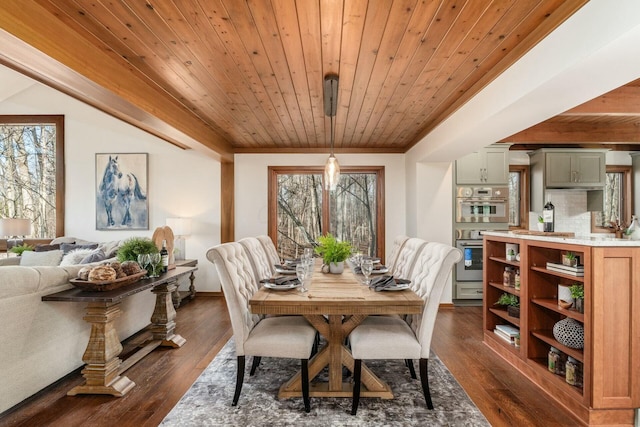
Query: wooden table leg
x=163, y=322
x=192, y=286
x=101, y=372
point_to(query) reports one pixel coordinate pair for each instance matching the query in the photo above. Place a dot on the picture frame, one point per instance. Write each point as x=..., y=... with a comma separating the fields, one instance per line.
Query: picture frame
x=122, y=201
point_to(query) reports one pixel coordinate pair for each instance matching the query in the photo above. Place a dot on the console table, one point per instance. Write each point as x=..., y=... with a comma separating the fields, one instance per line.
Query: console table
x=103, y=369
x=178, y=296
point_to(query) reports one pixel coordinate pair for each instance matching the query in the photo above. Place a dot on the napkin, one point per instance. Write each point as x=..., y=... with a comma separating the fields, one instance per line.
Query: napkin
x=281, y=281
x=377, y=267
x=385, y=282
x=284, y=267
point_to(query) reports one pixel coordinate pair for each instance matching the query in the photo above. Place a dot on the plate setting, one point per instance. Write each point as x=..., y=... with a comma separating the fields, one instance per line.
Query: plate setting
x=285, y=287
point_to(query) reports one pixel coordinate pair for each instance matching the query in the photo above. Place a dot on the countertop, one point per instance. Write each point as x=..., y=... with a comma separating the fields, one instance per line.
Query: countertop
x=586, y=240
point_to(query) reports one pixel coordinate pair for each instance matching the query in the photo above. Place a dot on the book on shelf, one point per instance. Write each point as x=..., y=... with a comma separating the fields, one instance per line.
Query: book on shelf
x=508, y=330
x=566, y=269
x=508, y=339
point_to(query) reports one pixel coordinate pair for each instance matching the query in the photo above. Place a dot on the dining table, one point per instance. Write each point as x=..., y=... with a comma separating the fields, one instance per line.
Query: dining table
x=334, y=305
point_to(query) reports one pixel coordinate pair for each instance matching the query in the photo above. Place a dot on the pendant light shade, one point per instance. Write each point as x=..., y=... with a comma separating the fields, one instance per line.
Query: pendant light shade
x=332, y=168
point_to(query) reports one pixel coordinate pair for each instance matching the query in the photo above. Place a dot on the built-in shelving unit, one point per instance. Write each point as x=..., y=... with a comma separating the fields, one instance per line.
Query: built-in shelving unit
x=609, y=276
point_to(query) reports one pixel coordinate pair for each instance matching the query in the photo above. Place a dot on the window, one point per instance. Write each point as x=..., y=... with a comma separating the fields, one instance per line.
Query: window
x=300, y=209
x=617, y=200
x=518, y=196
x=32, y=172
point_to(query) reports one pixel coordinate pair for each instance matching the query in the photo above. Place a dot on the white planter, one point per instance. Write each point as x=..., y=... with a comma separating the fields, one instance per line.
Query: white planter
x=336, y=267
x=540, y=226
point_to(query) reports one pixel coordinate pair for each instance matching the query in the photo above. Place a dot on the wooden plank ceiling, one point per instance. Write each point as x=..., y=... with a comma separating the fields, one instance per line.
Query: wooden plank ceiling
x=247, y=76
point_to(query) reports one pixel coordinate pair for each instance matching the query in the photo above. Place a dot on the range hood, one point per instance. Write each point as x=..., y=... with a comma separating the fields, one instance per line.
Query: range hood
x=567, y=169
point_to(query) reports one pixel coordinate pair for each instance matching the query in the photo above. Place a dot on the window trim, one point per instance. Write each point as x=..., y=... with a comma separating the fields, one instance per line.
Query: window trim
x=58, y=121
x=524, y=195
x=274, y=171
x=627, y=182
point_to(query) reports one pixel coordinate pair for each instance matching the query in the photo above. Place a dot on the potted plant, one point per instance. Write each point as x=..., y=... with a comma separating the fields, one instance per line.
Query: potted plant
x=20, y=249
x=333, y=252
x=577, y=293
x=134, y=246
x=570, y=259
x=511, y=302
x=540, y=223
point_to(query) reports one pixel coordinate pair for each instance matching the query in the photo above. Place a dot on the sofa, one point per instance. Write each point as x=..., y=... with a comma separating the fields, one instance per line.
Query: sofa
x=44, y=341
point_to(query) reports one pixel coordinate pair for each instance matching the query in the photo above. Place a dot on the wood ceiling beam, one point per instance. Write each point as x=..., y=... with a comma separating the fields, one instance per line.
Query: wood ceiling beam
x=36, y=43
x=553, y=132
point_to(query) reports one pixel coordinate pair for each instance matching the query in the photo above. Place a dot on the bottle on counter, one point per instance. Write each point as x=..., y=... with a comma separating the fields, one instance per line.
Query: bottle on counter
x=548, y=216
x=164, y=256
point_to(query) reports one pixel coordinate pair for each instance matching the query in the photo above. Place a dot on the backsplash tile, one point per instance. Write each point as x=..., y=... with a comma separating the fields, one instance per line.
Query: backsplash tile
x=570, y=212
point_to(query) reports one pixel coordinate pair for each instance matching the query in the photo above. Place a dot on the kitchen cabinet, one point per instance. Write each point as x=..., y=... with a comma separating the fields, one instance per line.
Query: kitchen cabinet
x=575, y=169
x=610, y=359
x=487, y=166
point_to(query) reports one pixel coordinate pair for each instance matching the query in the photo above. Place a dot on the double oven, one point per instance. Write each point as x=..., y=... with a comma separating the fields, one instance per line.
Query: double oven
x=477, y=209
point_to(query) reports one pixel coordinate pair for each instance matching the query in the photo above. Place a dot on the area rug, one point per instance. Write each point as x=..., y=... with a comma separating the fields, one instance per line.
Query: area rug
x=208, y=401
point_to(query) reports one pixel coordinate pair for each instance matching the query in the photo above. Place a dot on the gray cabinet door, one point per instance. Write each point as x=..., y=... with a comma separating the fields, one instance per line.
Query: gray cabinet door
x=487, y=166
x=575, y=169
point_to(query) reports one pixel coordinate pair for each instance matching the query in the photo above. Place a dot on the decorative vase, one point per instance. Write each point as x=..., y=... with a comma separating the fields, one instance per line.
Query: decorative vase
x=540, y=226
x=571, y=262
x=336, y=267
x=579, y=304
x=569, y=332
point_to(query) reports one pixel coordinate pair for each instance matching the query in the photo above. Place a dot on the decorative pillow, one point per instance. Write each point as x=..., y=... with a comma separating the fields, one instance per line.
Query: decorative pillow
x=46, y=248
x=36, y=259
x=75, y=256
x=95, y=255
x=68, y=247
x=110, y=248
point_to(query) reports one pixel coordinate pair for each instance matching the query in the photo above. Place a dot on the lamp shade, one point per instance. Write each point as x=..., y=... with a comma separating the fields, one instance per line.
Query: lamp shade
x=10, y=227
x=331, y=173
x=180, y=226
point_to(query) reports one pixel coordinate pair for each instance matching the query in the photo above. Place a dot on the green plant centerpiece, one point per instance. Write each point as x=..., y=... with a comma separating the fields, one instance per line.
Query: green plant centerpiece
x=512, y=303
x=134, y=246
x=20, y=249
x=333, y=252
x=577, y=293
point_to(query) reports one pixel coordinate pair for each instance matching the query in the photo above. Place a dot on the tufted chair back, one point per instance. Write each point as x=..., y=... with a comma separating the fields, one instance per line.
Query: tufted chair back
x=406, y=257
x=270, y=249
x=398, y=243
x=431, y=269
x=239, y=284
x=262, y=267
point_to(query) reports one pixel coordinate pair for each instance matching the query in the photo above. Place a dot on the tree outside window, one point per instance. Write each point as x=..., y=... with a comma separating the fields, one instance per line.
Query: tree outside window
x=32, y=172
x=300, y=209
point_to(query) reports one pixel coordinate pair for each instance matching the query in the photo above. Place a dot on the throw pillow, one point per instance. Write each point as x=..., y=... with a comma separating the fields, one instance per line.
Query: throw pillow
x=95, y=255
x=68, y=247
x=75, y=256
x=46, y=248
x=36, y=259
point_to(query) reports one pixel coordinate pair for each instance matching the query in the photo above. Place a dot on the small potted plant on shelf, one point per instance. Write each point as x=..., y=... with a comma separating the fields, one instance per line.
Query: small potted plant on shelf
x=540, y=223
x=570, y=259
x=511, y=302
x=577, y=293
x=333, y=252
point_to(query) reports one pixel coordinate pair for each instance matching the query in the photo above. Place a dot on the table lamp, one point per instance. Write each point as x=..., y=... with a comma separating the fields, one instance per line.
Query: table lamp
x=15, y=229
x=181, y=228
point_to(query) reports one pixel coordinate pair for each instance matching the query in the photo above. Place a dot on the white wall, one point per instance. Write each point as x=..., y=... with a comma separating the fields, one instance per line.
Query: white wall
x=251, y=188
x=181, y=182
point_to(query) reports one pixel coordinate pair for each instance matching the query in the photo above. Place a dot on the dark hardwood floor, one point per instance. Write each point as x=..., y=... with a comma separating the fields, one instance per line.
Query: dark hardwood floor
x=502, y=394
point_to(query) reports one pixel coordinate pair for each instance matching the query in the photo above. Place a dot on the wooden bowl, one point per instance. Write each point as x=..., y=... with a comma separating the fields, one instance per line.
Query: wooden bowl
x=565, y=304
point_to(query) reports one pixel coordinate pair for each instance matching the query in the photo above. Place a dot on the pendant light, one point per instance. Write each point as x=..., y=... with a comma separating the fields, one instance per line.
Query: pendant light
x=332, y=168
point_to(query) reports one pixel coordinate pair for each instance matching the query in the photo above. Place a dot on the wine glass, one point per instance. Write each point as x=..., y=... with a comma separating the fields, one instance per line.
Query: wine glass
x=308, y=253
x=301, y=273
x=154, y=263
x=367, y=268
x=143, y=261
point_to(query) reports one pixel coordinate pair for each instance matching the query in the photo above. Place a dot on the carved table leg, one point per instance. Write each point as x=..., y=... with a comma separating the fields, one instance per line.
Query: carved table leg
x=192, y=287
x=101, y=356
x=163, y=318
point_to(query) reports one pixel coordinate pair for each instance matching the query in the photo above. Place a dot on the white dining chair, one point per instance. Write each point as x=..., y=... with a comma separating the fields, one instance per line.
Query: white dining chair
x=406, y=258
x=398, y=243
x=262, y=267
x=282, y=336
x=389, y=337
x=270, y=249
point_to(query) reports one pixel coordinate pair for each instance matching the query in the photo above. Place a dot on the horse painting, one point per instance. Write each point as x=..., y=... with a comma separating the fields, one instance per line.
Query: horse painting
x=119, y=189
